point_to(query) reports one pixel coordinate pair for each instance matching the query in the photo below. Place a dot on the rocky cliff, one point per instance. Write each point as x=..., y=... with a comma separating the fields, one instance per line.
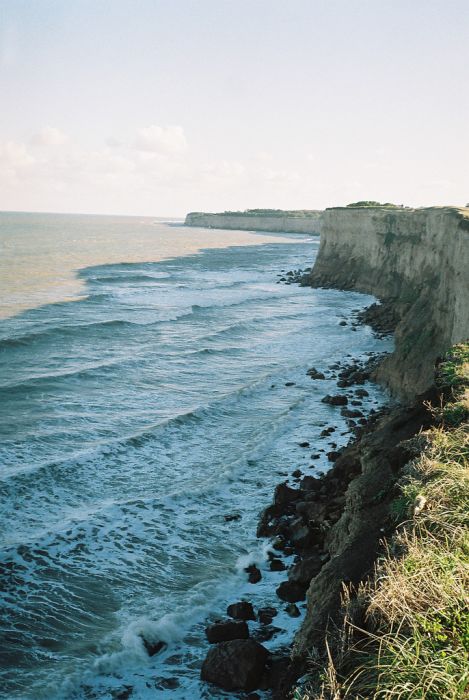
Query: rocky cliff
x=282, y=224
x=415, y=259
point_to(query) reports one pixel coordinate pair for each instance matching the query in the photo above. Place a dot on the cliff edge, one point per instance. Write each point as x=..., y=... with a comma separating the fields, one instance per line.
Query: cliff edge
x=415, y=259
x=308, y=221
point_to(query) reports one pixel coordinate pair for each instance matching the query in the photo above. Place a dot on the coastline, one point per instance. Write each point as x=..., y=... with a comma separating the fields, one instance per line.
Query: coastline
x=336, y=526
x=281, y=222
x=296, y=528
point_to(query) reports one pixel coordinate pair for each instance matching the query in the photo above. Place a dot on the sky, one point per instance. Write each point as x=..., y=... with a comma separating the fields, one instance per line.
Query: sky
x=160, y=107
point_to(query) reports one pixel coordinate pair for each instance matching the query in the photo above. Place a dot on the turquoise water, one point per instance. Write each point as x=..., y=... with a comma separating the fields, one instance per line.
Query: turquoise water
x=132, y=419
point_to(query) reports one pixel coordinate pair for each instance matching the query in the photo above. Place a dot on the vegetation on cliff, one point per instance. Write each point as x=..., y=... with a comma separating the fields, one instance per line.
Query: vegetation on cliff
x=370, y=203
x=406, y=631
x=295, y=214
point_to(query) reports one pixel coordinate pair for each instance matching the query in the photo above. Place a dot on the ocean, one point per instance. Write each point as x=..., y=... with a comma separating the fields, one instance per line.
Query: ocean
x=152, y=381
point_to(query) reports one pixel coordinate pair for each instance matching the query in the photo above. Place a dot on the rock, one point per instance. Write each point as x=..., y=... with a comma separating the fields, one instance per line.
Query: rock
x=343, y=323
x=277, y=565
x=337, y=400
x=254, y=574
x=122, y=693
x=232, y=516
x=361, y=392
x=303, y=571
x=284, y=494
x=289, y=383
x=226, y=631
x=265, y=633
x=342, y=383
x=301, y=535
x=279, y=544
x=153, y=648
x=235, y=665
x=310, y=483
x=314, y=374
x=291, y=592
x=241, y=611
x=168, y=684
x=297, y=473
x=292, y=610
x=312, y=510
x=347, y=413
x=266, y=615
x=304, y=444
x=332, y=456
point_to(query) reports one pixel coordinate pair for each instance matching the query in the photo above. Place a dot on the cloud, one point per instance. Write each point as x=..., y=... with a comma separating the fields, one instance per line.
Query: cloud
x=161, y=139
x=49, y=136
x=151, y=170
x=15, y=162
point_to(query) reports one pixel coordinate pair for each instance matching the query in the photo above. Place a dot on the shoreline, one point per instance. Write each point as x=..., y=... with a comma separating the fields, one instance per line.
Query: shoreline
x=296, y=524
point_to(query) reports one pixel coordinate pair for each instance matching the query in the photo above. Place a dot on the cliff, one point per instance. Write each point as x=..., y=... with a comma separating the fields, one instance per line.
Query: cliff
x=417, y=263
x=287, y=223
x=417, y=260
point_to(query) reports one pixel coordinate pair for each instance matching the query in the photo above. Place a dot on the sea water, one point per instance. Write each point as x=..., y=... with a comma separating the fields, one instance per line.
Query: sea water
x=142, y=405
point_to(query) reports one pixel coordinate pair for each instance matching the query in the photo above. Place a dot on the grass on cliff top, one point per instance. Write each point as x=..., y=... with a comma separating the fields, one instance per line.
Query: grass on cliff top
x=414, y=638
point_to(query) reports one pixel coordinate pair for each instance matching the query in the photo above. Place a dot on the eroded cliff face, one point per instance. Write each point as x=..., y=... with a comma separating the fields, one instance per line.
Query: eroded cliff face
x=416, y=259
x=281, y=224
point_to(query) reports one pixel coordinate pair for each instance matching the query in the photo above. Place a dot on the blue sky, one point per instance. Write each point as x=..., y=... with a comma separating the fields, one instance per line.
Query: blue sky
x=151, y=107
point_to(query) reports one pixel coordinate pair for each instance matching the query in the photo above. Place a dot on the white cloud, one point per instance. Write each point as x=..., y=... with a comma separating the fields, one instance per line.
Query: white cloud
x=15, y=155
x=161, y=139
x=49, y=136
x=15, y=162
x=155, y=170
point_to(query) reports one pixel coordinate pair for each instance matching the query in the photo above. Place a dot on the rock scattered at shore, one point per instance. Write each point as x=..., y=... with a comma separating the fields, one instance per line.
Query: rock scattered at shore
x=298, y=522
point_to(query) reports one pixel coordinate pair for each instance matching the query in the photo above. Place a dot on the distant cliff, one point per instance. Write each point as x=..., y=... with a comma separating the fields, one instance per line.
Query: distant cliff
x=416, y=259
x=276, y=221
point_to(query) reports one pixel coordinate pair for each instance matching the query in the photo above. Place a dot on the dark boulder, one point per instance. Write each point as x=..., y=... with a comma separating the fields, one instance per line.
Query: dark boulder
x=312, y=510
x=303, y=571
x=284, y=494
x=241, y=611
x=235, y=665
x=153, y=648
x=292, y=610
x=314, y=374
x=265, y=633
x=266, y=615
x=310, y=483
x=232, y=516
x=291, y=592
x=277, y=565
x=347, y=413
x=226, y=631
x=338, y=400
x=254, y=574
